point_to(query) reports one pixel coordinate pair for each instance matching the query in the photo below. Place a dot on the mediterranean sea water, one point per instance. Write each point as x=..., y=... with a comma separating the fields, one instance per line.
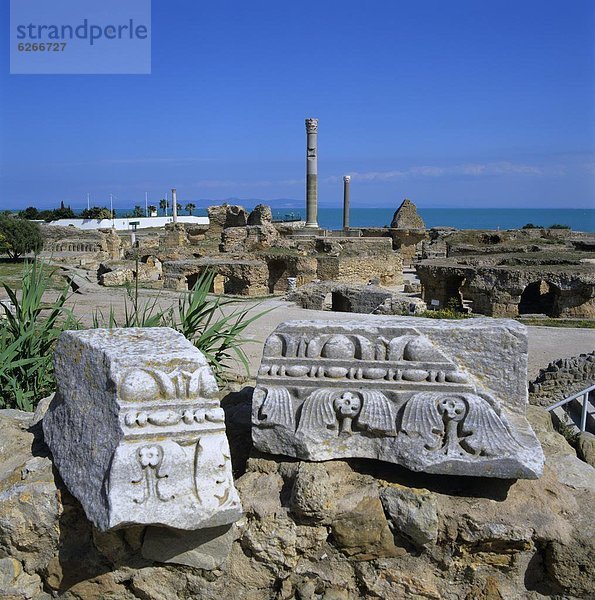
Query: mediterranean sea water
x=476, y=218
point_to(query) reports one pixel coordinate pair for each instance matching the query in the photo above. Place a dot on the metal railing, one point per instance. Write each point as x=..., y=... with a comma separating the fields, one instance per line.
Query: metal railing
x=585, y=393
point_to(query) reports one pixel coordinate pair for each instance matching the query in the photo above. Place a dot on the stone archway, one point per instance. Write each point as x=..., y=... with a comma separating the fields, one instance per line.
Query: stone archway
x=340, y=302
x=277, y=275
x=453, y=297
x=540, y=297
x=191, y=280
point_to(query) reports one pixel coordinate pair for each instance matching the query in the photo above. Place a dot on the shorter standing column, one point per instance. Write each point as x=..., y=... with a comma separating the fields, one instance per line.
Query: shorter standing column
x=174, y=204
x=346, y=180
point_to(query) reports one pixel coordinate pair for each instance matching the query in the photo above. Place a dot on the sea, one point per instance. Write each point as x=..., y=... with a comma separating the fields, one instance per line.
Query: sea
x=578, y=219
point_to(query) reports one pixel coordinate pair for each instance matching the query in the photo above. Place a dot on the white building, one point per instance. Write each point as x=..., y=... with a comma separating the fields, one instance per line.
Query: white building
x=124, y=224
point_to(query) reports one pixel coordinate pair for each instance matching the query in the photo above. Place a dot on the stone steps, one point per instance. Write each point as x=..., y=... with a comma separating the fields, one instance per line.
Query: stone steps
x=570, y=414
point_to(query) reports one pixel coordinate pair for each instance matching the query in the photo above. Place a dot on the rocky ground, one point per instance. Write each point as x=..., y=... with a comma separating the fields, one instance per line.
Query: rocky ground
x=338, y=530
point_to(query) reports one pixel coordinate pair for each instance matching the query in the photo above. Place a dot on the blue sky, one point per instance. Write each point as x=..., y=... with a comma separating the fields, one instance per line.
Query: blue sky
x=452, y=104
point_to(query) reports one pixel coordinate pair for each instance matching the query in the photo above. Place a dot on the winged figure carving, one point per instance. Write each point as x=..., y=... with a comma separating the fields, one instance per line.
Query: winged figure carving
x=342, y=410
x=458, y=425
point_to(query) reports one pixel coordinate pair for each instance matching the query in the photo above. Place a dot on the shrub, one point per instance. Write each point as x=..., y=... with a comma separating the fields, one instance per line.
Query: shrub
x=64, y=212
x=18, y=237
x=531, y=226
x=559, y=226
x=27, y=339
x=217, y=335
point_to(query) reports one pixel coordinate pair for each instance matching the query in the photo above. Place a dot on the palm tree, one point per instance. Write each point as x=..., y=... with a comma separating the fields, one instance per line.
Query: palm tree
x=163, y=204
x=152, y=210
x=190, y=207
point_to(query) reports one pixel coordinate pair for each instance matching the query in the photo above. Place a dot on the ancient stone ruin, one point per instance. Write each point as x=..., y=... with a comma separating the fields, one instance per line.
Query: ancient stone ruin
x=433, y=396
x=136, y=430
x=406, y=217
x=367, y=299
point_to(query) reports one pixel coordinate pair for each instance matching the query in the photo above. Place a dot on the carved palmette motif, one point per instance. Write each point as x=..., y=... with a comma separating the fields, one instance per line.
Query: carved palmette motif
x=344, y=392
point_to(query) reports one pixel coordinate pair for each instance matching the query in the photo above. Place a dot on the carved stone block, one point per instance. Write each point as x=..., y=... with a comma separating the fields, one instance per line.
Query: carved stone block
x=136, y=430
x=434, y=396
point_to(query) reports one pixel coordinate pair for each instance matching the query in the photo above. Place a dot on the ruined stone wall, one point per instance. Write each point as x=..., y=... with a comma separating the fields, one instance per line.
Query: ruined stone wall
x=237, y=277
x=70, y=239
x=225, y=215
x=366, y=299
x=497, y=291
x=561, y=378
x=387, y=269
x=249, y=238
x=281, y=267
x=359, y=260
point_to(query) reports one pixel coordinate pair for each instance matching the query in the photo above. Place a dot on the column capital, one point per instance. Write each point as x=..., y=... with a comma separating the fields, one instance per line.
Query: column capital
x=346, y=178
x=312, y=125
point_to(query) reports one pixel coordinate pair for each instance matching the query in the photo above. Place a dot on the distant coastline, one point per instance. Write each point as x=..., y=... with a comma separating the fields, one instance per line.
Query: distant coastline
x=578, y=219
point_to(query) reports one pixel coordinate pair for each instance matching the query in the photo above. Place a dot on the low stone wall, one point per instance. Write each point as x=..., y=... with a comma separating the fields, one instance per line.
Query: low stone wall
x=366, y=299
x=561, y=378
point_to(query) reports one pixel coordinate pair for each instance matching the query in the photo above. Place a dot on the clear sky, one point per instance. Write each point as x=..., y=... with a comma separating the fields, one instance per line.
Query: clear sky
x=450, y=103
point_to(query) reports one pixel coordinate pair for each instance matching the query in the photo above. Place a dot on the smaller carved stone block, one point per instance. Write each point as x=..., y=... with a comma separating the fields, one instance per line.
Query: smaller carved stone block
x=435, y=396
x=136, y=430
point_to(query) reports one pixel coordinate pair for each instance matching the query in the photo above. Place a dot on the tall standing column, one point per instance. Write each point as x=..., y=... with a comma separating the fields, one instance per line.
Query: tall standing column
x=312, y=173
x=346, y=180
x=174, y=204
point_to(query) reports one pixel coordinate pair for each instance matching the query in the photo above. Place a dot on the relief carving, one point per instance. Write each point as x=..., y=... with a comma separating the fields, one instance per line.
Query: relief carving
x=388, y=389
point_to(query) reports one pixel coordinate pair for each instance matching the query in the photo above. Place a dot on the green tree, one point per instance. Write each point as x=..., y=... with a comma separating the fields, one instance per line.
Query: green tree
x=152, y=209
x=97, y=212
x=190, y=207
x=18, y=237
x=138, y=211
x=163, y=204
x=64, y=212
x=29, y=213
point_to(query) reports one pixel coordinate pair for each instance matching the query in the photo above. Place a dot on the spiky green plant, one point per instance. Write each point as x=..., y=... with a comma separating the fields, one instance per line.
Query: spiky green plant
x=28, y=334
x=147, y=314
x=199, y=317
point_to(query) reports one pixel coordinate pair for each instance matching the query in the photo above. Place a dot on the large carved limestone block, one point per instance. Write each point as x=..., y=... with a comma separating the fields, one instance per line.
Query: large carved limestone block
x=136, y=430
x=434, y=396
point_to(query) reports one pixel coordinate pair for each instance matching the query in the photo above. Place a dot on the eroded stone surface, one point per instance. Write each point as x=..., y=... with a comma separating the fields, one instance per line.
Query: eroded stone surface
x=435, y=396
x=136, y=430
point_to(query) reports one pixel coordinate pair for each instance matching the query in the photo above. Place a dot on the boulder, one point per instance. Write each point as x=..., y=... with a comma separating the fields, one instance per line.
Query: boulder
x=586, y=447
x=413, y=514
